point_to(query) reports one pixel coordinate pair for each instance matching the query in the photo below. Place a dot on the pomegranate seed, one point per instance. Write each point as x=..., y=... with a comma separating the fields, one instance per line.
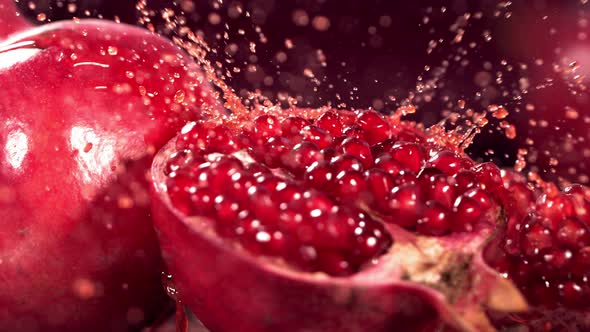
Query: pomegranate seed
x=555, y=208
x=382, y=147
x=348, y=118
x=266, y=126
x=274, y=243
x=371, y=239
x=292, y=126
x=374, y=125
x=264, y=207
x=405, y=204
x=448, y=162
x=331, y=123
x=221, y=140
x=240, y=184
x=435, y=220
x=357, y=148
x=480, y=196
x=219, y=174
x=315, y=204
x=203, y=202
x=558, y=258
x=575, y=294
x=345, y=163
x=273, y=150
x=316, y=135
x=519, y=199
x=573, y=234
x=355, y=131
x=287, y=192
x=489, y=176
x=406, y=177
x=335, y=232
x=380, y=184
x=269, y=183
x=302, y=156
x=350, y=185
x=440, y=190
x=180, y=189
x=581, y=262
x=319, y=175
x=464, y=180
x=194, y=136
x=466, y=212
x=535, y=240
x=387, y=164
x=409, y=155
x=226, y=211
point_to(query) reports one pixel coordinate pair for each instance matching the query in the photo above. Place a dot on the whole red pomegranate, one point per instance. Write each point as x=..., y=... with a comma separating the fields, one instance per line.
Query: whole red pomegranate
x=83, y=107
x=329, y=220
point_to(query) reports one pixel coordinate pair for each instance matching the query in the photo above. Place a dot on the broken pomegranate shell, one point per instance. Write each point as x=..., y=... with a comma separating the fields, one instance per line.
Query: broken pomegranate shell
x=419, y=282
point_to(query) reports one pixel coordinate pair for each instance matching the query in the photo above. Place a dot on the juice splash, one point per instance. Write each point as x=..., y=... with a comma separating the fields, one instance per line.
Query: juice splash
x=463, y=117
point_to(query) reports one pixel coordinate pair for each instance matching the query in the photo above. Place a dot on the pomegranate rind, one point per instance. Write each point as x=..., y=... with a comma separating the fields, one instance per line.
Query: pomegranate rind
x=11, y=21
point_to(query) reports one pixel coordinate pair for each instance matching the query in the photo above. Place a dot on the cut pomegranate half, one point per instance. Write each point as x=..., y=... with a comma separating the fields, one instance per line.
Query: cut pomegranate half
x=325, y=220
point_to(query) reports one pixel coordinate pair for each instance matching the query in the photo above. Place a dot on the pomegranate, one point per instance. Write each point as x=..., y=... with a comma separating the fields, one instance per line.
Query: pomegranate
x=328, y=220
x=83, y=108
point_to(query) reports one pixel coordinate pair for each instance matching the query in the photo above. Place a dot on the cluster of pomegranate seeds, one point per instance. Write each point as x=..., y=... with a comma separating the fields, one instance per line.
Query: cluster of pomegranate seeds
x=316, y=190
x=276, y=216
x=547, y=252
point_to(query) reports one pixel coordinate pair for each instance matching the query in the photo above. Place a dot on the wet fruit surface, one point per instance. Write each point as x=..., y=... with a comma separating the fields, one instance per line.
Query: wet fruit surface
x=84, y=107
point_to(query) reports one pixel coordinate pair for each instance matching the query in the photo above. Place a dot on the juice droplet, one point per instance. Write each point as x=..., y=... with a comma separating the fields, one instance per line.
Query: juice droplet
x=498, y=112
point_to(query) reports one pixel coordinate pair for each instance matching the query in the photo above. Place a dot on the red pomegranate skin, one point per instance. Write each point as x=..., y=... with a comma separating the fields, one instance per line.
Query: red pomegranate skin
x=10, y=20
x=83, y=107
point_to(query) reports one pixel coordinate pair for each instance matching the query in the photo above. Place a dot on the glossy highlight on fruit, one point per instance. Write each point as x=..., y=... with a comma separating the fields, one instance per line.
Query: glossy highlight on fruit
x=321, y=231
x=84, y=106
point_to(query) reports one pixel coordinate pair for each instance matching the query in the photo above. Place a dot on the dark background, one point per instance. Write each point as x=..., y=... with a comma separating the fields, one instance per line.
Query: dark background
x=376, y=51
